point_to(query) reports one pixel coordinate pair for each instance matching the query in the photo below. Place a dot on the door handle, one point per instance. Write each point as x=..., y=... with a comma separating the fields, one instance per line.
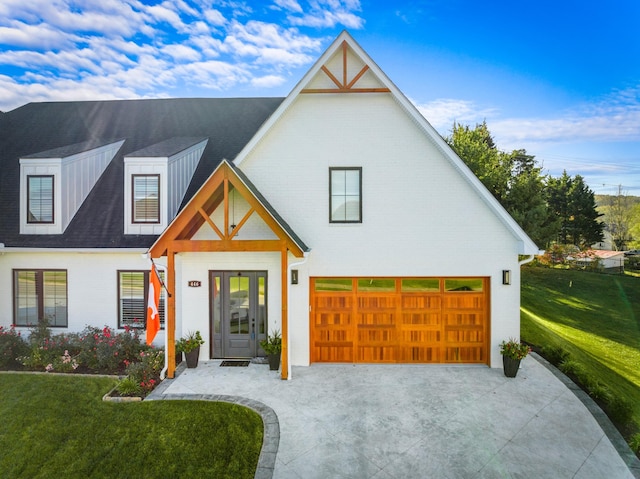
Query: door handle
x=253, y=329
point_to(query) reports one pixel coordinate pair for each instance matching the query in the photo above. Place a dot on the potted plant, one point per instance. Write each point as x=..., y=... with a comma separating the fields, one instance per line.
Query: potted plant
x=190, y=346
x=513, y=351
x=273, y=347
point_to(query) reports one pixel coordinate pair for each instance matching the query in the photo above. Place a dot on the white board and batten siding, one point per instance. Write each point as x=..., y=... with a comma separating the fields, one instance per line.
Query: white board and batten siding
x=74, y=177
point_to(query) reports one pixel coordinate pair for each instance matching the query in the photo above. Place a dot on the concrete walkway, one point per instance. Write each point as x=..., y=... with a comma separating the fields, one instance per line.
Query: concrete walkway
x=417, y=421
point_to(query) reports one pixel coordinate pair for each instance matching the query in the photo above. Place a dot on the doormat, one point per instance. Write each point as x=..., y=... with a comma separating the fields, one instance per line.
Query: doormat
x=236, y=364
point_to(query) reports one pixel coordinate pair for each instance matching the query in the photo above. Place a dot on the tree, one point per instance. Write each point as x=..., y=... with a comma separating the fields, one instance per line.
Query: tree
x=513, y=179
x=478, y=150
x=526, y=199
x=574, y=206
x=617, y=218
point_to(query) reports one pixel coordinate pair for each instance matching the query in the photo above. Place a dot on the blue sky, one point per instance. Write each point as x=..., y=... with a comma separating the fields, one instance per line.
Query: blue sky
x=560, y=79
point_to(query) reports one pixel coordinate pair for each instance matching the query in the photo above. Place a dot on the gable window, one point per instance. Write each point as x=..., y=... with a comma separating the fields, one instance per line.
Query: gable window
x=133, y=292
x=345, y=195
x=40, y=199
x=146, y=198
x=40, y=294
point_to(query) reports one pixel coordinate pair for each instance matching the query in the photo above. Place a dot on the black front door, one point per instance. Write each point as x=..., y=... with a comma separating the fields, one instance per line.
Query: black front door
x=238, y=313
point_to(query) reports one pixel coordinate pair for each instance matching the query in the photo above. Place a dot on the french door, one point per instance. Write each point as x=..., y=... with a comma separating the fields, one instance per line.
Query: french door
x=238, y=313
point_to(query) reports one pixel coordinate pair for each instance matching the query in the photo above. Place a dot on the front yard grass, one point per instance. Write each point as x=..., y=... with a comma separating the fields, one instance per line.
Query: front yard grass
x=595, y=318
x=55, y=426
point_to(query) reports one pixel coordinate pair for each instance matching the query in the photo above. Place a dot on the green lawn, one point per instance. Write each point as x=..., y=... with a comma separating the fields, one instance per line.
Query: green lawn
x=595, y=318
x=59, y=427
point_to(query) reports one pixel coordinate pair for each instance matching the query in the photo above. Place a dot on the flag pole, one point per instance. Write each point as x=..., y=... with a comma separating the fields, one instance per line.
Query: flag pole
x=160, y=279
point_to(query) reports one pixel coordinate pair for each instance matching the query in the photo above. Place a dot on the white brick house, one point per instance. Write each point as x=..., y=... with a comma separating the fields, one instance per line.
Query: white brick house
x=336, y=215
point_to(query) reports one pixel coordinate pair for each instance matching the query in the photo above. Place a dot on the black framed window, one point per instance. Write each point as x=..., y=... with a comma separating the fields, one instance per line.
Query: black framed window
x=40, y=199
x=40, y=294
x=345, y=195
x=133, y=293
x=146, y=198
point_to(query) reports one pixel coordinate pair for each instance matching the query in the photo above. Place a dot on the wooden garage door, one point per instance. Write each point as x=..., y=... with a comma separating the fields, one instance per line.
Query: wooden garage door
x=399, y=320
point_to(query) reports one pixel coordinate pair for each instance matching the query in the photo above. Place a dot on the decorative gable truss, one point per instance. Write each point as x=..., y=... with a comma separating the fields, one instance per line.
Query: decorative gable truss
x=55, y=183
x=345, y=72
x=228, y=214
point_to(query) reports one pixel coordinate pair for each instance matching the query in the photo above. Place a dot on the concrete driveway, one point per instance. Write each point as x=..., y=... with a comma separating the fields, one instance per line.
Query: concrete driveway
x=417, y=421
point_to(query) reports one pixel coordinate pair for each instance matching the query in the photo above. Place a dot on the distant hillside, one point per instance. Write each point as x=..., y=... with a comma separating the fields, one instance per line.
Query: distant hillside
x=604, y=200
x=624, y=209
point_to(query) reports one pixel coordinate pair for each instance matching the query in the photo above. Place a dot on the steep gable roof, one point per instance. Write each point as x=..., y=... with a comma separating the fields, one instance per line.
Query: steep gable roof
x=36, y=128
x=345, y=68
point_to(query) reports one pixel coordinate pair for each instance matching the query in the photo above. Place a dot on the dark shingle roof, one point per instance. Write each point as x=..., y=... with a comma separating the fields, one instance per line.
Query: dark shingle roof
x=167, y=147
x=228, y=123
x=69, y=150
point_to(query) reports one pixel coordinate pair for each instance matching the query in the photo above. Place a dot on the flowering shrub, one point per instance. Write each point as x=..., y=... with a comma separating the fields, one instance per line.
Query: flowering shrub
x=514, y=349
x=145, y=372
x=106, y=351
x=65, y=363
x=12, y=346
x=93, y=350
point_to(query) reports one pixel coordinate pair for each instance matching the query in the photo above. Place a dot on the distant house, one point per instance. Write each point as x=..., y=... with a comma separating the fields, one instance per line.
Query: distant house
x=600, y=259
x=336, y=215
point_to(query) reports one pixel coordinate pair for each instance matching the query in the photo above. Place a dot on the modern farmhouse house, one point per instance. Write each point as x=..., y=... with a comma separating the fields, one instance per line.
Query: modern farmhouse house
x=336, y=215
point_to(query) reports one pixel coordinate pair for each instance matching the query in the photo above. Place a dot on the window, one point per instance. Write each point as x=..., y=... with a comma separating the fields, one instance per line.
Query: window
x=334, y=284
x=463, y=284
x=40, y=294
x=376, y=285
x=146, y=198
x=345, y=195
x=40, y=199
x=133, y=292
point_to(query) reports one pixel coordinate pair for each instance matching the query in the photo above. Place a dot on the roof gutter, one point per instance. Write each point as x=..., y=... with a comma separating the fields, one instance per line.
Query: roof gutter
x=20, y=249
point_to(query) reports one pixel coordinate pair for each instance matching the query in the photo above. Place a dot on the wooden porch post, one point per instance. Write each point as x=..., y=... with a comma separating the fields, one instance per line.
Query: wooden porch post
x=170, y=325
x=284, y=373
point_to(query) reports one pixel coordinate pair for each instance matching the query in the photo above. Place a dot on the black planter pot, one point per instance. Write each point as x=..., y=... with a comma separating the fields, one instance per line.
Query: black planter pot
x=274, y=361
x=510, y=366
x=192, y=357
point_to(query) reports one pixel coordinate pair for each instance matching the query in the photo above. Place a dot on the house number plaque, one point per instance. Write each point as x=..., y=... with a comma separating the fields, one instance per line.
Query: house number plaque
x=194, y=284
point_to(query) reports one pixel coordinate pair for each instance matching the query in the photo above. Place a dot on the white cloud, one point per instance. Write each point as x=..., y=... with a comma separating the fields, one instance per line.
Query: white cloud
x=268, y=81
x=162, y=14
x=214, y=17
x=181, y=53
x=291, y=5
x=33, y=36
x=329, y=13
x=442, y=113
x=127, y=48
x=614, y=118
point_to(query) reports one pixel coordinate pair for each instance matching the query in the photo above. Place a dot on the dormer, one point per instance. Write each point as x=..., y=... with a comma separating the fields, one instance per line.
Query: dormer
x=55, y=183
x=155, y=182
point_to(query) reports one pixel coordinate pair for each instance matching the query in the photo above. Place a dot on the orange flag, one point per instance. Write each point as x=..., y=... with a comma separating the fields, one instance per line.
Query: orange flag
x=153, y=314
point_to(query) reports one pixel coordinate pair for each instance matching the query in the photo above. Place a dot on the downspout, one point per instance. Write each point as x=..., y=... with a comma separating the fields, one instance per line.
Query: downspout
x=289, y=268
x=530, y=257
